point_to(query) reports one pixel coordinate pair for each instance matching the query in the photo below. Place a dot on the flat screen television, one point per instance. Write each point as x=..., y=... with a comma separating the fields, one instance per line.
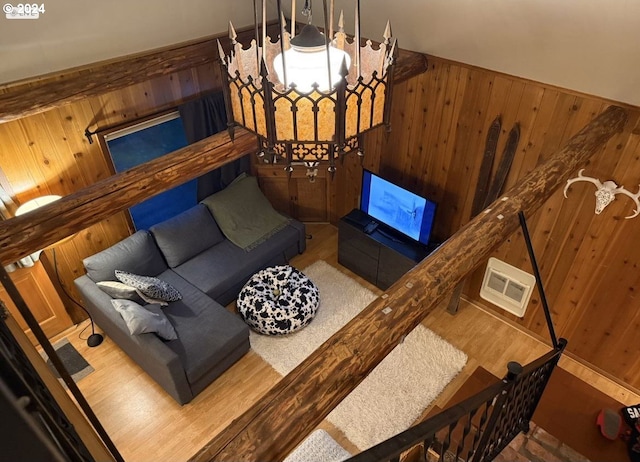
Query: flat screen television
x=400, y=209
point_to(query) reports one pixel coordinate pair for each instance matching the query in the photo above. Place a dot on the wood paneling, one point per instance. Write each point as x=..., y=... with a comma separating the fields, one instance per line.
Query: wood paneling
x=589, y=262
x=293, y=194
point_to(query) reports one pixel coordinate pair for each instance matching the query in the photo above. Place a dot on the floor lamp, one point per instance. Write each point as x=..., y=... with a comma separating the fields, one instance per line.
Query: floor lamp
x=94, y=339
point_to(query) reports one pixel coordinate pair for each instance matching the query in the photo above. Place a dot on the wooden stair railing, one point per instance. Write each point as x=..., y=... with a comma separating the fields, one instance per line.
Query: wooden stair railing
x=480, y=427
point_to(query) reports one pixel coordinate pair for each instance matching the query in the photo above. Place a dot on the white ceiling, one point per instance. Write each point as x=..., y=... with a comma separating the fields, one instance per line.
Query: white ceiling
x=585, y=45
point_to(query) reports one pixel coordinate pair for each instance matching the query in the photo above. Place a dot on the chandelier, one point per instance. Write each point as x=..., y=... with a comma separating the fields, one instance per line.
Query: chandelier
x=308, y=96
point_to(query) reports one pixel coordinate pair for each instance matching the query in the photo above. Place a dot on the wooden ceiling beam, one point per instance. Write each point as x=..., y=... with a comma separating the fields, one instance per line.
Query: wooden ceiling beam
x=32, y=96
x=27, y=97
x=273, y=426
x=28, y=233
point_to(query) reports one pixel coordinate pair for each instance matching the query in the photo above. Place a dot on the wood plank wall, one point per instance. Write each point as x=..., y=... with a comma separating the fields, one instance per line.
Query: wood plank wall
x=47, y=153
x=589, y=262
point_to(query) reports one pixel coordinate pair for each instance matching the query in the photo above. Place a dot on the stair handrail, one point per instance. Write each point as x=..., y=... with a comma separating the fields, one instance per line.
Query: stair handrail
x=504, y=411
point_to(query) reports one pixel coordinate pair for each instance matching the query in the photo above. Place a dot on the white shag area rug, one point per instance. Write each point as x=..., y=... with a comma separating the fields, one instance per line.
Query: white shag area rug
x=318, y=447
x=396, y=392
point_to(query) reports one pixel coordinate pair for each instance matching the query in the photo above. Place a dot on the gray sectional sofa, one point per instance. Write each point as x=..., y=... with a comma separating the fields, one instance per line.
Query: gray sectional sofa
x=191, y=254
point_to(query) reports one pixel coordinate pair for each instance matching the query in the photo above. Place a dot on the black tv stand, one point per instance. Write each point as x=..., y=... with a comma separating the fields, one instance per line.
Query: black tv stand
x=376, y=252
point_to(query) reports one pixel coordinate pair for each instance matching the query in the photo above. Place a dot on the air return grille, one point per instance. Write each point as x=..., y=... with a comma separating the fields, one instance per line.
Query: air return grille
x=507, y=286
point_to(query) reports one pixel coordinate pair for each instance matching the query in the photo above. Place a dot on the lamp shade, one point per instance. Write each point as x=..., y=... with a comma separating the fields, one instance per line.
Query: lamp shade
x=36, y=203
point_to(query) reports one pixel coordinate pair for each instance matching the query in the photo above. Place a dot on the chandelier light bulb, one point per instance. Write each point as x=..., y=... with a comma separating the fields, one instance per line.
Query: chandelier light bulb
x=304, y=68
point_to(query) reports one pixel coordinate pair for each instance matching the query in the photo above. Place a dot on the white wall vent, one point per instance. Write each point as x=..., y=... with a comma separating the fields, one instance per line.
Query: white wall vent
x=507, y=286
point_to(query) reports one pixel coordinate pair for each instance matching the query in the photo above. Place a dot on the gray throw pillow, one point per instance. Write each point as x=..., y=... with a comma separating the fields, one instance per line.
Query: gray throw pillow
x=142, y=320
x=150, y=286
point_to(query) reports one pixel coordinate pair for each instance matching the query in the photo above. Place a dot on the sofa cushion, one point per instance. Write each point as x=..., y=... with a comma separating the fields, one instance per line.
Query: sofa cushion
x=220, y=268
x=150, y=286
x=137, y=254
x=143, y=320
x=207, y=332
x=186, y=234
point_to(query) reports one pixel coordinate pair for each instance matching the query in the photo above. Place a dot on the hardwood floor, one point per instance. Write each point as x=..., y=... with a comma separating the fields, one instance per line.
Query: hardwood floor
x=145, y=423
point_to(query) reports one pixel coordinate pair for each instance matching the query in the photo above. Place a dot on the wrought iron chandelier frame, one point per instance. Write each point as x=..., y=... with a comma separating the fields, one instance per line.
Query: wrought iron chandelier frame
x=314, y=126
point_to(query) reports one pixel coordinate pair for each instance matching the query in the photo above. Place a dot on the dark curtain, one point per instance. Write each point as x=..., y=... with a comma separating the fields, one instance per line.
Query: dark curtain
x=202, y=118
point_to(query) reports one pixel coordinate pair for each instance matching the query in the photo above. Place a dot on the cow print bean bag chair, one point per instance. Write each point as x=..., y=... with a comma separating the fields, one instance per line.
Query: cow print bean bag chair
x=278, y=301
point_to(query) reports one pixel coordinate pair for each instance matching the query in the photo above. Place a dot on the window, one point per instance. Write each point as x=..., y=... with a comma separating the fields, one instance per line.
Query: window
x=141, y=143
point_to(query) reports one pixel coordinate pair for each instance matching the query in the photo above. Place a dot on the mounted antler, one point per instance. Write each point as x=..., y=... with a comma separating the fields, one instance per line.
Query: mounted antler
x=605, y=193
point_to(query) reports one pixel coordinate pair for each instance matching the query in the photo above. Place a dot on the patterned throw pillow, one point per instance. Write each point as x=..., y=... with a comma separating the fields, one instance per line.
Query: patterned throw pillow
x=150, y=286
